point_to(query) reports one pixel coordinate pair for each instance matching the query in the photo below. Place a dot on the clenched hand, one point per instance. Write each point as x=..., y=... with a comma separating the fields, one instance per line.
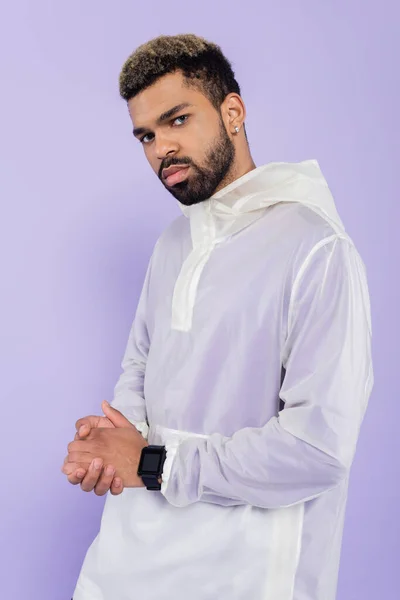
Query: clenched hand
x=105, y=449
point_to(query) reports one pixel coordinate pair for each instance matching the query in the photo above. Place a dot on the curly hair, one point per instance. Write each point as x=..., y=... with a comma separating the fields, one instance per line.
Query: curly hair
x=202, y=63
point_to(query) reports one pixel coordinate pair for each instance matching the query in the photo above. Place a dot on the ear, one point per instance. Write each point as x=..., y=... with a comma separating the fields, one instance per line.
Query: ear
x=233, y=112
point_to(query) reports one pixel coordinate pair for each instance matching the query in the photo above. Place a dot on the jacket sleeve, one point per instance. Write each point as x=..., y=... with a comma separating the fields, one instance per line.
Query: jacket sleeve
x=129, y=390
x=308, y=447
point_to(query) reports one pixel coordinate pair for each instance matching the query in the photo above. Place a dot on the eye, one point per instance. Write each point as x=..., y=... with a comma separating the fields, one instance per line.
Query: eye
x=185, y=117
x=181, y=121
x=143, y=139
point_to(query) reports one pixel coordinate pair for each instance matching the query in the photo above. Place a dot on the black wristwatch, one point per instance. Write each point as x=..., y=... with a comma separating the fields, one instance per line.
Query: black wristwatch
x=151, y=466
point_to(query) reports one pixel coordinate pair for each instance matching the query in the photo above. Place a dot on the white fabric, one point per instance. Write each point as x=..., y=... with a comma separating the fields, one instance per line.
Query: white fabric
x=255, y=297
x=213, y=221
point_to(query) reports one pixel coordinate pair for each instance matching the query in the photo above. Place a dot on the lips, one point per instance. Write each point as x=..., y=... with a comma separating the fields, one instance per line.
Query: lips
x=173, y=169
x=175, y=174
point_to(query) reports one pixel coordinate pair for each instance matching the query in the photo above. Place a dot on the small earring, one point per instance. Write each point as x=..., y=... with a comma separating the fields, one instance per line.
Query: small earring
x=237, y=129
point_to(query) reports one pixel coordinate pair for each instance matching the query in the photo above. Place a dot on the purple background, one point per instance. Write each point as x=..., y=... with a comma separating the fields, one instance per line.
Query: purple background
x=81, y=210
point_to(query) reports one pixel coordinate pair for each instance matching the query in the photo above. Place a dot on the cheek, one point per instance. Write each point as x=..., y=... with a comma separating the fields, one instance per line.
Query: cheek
x=199, y=135
x=194, y=144
x=202, y=139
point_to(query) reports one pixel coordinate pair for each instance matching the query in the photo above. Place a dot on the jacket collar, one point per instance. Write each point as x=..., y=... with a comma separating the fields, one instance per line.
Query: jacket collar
x=246, y=199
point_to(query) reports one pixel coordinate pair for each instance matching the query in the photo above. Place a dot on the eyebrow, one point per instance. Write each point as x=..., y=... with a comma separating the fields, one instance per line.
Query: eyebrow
x=164, y=117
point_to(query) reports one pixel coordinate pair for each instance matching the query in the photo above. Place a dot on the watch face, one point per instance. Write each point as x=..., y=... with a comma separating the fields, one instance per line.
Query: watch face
x=151, y=462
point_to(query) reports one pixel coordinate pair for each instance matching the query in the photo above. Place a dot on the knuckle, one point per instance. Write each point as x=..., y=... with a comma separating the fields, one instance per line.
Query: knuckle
x=116, y=490
x=83, y=421
x=109, y=472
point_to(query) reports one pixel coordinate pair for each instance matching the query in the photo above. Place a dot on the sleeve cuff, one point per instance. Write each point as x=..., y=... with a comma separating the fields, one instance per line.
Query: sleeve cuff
x=172, y=449
x=142, y=427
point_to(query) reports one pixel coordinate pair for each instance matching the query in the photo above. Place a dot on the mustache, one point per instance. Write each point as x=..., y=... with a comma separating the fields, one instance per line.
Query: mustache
x=172, y=163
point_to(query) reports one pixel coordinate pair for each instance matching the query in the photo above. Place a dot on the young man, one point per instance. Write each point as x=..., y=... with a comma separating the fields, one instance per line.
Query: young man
x=247, y=369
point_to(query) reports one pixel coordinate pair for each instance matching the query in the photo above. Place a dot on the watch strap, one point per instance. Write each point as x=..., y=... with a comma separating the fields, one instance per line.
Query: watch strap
x=151, y=482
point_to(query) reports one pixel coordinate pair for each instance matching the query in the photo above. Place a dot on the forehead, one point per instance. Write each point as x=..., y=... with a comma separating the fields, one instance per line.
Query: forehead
x=166, y=92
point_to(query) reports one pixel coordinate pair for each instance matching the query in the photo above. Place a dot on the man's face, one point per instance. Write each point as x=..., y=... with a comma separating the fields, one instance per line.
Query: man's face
x=193, y=136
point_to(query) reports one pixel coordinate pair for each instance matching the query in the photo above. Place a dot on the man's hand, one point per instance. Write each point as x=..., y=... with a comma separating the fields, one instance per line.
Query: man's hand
x=84, y=425
x=94, y=478
x=111, y=441
x=101, y=480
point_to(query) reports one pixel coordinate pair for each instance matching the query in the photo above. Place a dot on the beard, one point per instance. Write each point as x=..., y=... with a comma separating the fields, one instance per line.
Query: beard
x=203, y=181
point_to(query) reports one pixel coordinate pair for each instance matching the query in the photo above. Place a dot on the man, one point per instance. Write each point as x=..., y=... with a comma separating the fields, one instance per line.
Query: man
x=247, y=369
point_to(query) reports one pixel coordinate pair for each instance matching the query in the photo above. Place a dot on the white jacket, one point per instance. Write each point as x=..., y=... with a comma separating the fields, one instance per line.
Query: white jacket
x=250, y=359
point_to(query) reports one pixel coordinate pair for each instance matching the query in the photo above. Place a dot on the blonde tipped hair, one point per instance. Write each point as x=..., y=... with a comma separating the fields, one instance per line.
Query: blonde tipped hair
x=201, y=62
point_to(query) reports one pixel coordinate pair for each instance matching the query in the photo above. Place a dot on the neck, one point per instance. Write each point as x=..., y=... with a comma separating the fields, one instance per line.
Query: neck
x=239, y=168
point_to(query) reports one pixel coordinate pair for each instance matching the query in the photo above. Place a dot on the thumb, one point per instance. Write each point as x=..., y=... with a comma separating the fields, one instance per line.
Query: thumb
x=115, y=416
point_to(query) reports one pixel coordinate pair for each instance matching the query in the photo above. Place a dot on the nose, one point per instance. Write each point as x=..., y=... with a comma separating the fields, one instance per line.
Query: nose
x=165, y=145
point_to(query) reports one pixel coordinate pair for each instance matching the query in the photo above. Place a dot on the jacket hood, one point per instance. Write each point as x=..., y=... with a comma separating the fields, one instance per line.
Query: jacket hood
x=245, y=199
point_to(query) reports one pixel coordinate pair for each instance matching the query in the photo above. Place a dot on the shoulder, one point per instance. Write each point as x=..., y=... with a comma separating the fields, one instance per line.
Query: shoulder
x=173, y=234
x=315, y=239
x=302, y=225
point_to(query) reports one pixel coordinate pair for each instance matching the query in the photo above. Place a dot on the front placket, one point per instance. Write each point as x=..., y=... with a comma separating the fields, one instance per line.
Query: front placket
x=185, y=292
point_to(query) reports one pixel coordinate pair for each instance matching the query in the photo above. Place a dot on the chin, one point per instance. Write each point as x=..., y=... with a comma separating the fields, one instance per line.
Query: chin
x=190, y=201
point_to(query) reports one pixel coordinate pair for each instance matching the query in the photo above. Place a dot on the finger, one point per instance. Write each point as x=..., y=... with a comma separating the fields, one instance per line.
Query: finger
x=77, y=476
x=117, y=486
x=105, y=481
x=64, y=464
x=81, y=457
x=92, y=476
x=115, y=416
x=77, y=446
x=71, y=467
x=83, y=431
x=91, y=421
